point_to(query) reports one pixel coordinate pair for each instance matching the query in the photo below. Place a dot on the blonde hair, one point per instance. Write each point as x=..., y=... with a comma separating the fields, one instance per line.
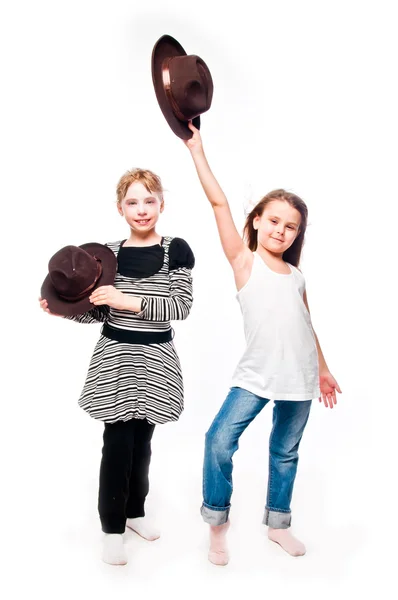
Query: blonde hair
x=150, y=180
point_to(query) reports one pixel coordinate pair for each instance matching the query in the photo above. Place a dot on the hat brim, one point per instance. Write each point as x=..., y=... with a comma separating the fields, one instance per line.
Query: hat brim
x=168, y=47
x=59, y=306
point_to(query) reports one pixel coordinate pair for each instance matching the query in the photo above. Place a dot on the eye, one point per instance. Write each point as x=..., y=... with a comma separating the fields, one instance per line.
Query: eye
x=150, y=201
x=274, y=221
x=290, y=227
x=132, y=203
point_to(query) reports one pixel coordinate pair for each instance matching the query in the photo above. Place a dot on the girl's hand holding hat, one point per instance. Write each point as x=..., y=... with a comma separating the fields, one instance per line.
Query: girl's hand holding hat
x=194, y=144
x=44, y=306
x=108, y=294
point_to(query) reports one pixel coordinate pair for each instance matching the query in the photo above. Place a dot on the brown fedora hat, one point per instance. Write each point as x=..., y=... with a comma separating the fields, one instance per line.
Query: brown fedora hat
x=73, y=273
x=183, y=85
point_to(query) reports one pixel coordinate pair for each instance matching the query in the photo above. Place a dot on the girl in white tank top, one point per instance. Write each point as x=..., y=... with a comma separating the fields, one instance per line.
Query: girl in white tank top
x=283, y=360
x=280, y=360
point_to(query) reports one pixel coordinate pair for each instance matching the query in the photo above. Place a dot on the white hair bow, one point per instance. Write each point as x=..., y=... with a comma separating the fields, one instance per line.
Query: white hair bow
x=249, y=198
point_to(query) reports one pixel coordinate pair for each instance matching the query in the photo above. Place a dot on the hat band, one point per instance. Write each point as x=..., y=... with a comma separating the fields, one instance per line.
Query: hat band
x=87, y=289
x=167, y=89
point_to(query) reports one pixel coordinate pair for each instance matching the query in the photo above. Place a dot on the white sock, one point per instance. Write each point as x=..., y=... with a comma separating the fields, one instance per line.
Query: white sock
x=144, y=527
x=114, y=552
x=287, y=541
x=218, y=552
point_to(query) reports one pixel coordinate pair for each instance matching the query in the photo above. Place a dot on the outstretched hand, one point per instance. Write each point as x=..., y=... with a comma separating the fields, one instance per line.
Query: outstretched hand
x=328, y=386
x=194, y=144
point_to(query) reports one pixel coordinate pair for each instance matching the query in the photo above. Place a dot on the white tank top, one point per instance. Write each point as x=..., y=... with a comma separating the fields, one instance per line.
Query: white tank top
x=280, y=361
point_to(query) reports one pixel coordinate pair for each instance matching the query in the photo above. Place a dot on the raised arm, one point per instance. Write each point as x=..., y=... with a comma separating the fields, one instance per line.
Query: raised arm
x=234, y=248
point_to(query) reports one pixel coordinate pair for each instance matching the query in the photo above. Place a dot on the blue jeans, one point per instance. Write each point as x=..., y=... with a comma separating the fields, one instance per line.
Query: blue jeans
x=222, y=440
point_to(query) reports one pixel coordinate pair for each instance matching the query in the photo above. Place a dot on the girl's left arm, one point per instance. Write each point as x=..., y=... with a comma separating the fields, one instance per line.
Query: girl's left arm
x=156, y=308
x=327, y=383
x=177, y=306
x=153, y=308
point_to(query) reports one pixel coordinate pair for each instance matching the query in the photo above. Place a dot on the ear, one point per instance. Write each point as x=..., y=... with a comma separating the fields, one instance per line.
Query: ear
x=119, y=208
x=161, y=206
x=256, y=222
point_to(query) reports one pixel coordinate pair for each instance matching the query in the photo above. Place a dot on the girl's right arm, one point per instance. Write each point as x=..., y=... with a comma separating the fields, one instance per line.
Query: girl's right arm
x=236, y=251
x=98, y=314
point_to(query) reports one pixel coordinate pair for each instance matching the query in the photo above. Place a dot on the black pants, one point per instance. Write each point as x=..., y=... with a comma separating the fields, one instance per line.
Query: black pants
x=124, y=483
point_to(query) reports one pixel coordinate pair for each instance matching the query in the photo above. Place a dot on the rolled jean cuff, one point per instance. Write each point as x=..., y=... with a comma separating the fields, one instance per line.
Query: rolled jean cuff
x=214, y=516
x=276, y=519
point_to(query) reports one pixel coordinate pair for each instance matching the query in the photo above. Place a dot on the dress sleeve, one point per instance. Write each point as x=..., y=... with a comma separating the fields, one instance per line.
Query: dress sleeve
x=180, y=255
x=98, y=314
x=177, y=307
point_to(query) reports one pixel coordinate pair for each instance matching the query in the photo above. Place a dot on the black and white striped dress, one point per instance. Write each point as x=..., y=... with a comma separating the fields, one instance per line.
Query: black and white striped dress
x=141, y=381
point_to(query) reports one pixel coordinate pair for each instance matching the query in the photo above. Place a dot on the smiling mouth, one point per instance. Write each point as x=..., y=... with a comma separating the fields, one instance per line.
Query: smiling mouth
x=276, y=239
x=142, y=221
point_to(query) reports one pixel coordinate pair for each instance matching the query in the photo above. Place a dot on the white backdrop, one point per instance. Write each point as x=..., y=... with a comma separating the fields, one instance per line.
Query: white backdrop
x=304, y=99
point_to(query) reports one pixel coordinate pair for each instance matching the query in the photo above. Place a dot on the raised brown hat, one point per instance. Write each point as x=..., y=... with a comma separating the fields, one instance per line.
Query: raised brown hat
x=73, y=273
x=183, y=85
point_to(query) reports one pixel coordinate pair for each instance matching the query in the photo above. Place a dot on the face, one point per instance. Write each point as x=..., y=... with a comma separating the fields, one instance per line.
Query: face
x=278, y=226
x=141, y=208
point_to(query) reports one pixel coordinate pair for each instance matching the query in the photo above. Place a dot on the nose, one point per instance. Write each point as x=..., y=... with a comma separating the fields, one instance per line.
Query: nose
x=141, y=209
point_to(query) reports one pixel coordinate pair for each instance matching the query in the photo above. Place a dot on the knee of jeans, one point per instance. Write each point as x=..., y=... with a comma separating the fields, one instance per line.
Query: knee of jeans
x=218, y=446
x=284, y=452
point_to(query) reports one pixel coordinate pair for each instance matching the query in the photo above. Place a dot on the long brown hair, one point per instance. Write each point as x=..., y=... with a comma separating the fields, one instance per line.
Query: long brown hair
x=291, y=255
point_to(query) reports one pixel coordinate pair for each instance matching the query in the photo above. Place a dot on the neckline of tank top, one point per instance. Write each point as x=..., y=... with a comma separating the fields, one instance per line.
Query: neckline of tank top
x=271, y=270
x=160, y=244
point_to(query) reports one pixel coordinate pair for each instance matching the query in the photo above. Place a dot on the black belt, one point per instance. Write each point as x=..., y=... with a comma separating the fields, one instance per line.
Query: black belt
x=137, y=337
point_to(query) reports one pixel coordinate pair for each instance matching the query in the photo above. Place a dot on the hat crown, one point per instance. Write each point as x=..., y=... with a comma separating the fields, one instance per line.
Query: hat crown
x=190, y=85
x=73, y=271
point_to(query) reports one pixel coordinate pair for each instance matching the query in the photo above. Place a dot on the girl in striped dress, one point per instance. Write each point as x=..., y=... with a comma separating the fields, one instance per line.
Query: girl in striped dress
x=134, y=380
